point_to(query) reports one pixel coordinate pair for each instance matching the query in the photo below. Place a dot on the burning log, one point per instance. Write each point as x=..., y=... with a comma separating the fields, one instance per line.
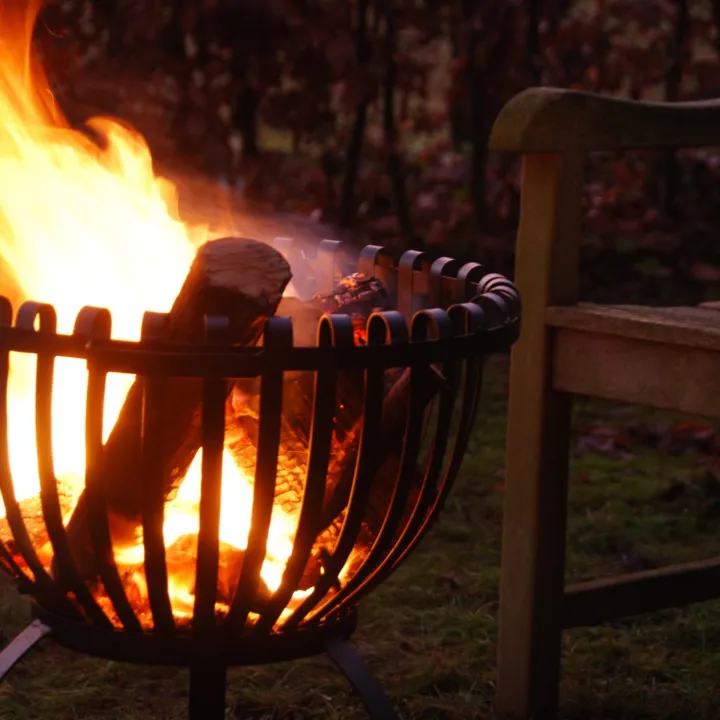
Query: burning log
x=357, y=296
x=384, y=478
x=392, y=434
x=234, y=277
x=181, y=554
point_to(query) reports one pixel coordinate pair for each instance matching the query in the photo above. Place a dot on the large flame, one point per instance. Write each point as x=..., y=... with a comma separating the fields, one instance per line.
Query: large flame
x=88, y=223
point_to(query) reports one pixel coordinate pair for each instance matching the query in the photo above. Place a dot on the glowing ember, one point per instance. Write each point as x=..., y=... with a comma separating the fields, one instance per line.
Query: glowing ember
x=74, y=220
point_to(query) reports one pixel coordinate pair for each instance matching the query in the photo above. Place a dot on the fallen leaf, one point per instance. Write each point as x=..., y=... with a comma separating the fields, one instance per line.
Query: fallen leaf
x=607, y=441
x=451, y=580
x=688, y=435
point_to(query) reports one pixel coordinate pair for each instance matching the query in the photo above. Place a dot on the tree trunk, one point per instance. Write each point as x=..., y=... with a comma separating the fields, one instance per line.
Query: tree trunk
x=478, y=112
x=668, y=180
x=394, y=160
x=354, y=150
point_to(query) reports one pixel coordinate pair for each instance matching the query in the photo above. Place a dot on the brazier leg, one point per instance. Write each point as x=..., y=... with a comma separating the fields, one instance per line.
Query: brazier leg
x=208, y=682
x=368, y=689
x=20, y=645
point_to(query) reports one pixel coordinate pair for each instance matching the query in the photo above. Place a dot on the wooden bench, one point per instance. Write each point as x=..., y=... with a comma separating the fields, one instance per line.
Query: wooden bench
x=662, y=357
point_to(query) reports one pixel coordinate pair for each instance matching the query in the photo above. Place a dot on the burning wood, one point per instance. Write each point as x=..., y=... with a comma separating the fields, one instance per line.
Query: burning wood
x=357, y=296
x=244, y=280
x=387, y=456
x=234, y=277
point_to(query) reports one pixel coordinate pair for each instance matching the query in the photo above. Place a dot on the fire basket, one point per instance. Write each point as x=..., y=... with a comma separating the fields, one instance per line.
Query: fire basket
x=336, y=452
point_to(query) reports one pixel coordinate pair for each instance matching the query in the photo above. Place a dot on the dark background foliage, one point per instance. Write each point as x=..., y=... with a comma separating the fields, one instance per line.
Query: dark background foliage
x=373, y=115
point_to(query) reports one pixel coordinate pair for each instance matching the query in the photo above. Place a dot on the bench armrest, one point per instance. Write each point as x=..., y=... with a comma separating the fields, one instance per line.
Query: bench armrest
x=551, y=120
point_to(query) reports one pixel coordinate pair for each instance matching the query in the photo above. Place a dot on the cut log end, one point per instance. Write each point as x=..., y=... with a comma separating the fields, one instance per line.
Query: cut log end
x=235, y=277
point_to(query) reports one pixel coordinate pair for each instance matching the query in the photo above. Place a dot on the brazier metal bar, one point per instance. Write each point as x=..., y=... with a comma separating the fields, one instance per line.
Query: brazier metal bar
x=382, y=328
x=206, y=693
x=43, y=315
x=379, y=553
x=152, y=457
x=368, y=689
x=26, y=552
x=278, y=337
x=96, y=323
x=338, y=331
x=597, y=601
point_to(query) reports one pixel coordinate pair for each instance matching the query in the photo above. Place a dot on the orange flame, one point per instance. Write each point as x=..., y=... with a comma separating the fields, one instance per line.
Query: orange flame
x=88, y=224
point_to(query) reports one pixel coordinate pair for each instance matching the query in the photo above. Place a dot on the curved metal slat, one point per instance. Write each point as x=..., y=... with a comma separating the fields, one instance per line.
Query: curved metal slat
x=381, y=328
x=430, y=488
x=470, y=400
x=467, y=318
x=410, y=261
x=466, y=282
x=95, y=323
x=495, y=307
x=44, y=315
x=152, y=468
x=443, y=267
x=44, y=587
x=214, y=394
x=375, y=260
x=337, y=331
x=278, y=336
x=379, y=557
x=495, y=284
x=7, y=561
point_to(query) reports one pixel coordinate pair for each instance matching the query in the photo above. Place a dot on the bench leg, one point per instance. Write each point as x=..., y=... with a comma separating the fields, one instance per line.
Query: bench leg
x=533, y=566
x=539, y=419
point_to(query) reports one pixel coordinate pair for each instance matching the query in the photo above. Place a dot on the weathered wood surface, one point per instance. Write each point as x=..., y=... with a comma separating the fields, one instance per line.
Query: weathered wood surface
x=533, y=545
x=238, y=278
x=689, y=327
x=551, y=120
x=606, y=599
x=617, y=367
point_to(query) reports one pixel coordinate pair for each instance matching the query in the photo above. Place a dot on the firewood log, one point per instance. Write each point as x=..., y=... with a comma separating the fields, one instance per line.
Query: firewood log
x=234, y=277
x=392, y=435
x=243, y=415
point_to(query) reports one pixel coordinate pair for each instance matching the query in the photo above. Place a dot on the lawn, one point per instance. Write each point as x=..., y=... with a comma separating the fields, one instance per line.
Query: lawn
x=644, y=492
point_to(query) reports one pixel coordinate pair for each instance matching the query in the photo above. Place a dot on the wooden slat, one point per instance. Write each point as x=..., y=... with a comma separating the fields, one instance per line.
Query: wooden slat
x=533, y=550
x=685, y=326
x=615, y=367
x=597, y=601
x=546, y=120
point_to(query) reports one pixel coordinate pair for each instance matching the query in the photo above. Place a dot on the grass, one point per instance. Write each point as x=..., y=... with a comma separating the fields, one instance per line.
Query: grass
x=429, y=633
